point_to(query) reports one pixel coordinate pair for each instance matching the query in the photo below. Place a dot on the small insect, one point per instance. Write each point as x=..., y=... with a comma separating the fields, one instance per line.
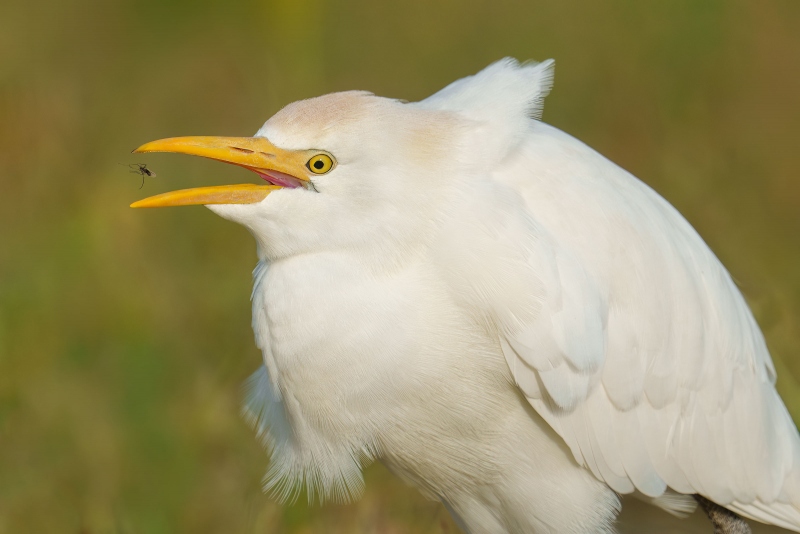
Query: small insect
x=140, y=168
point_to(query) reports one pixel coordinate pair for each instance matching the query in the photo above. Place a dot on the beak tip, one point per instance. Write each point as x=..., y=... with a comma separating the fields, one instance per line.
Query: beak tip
x=143, y=203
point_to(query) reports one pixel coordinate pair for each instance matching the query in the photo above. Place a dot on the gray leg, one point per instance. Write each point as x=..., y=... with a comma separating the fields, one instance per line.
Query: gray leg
x=724, y=521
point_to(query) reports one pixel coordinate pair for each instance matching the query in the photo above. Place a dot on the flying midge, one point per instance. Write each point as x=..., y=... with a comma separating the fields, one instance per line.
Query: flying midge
x=140, y=168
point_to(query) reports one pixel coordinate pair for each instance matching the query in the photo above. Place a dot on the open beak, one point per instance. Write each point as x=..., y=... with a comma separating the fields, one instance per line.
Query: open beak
x=280, y=168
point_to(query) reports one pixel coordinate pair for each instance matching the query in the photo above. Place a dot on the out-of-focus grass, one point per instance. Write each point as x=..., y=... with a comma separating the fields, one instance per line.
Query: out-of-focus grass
x=124, y=335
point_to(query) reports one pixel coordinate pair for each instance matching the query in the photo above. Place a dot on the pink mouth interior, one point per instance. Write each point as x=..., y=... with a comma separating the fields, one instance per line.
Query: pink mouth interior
x=279, y=178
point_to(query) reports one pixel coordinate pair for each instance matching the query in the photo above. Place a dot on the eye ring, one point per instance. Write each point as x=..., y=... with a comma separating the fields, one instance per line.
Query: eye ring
x=320, y=164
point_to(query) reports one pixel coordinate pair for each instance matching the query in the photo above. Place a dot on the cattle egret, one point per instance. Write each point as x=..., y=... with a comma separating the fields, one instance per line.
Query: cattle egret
x=507, y=320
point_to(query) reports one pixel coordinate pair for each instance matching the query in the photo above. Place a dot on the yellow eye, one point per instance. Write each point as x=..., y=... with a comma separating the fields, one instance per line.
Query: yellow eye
x=320, y=164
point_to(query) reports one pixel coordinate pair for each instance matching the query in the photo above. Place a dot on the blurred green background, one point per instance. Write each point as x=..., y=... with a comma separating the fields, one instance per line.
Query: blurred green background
x=125, y=335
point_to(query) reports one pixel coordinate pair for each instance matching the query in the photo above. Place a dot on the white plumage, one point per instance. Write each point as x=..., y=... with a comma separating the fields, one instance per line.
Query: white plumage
x=509, y=321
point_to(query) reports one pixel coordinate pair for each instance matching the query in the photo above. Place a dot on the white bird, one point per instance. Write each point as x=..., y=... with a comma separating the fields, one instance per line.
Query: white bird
x=509, y=321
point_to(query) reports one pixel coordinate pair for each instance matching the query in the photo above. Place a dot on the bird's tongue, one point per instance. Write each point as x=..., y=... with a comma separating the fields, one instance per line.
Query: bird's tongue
x=278, y=178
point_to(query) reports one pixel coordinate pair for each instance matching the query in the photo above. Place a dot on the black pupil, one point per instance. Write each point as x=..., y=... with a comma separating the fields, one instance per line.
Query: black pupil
x=318, y=164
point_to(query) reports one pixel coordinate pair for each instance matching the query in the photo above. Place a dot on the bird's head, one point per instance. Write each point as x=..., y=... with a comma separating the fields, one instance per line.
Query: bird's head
x=352, y=169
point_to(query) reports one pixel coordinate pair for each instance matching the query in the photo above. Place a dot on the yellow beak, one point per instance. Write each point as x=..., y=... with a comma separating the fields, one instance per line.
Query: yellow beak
x=281, y=168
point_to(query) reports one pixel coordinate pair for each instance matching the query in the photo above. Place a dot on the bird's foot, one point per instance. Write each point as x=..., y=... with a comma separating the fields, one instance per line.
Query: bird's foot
x=724, y=521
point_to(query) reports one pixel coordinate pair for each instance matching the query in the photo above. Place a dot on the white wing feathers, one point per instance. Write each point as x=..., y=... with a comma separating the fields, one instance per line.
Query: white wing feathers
x=626, y=335
x=681, y=390
x=564, y=344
